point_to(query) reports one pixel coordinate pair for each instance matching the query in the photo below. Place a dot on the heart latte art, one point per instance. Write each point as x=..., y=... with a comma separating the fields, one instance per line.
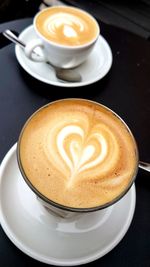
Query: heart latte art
x=78, y=153
x=75, y=151
x=67, y=26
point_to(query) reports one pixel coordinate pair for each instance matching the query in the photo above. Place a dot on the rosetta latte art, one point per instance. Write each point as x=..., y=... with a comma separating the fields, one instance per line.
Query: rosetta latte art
x=69, y=26
x=80, y=153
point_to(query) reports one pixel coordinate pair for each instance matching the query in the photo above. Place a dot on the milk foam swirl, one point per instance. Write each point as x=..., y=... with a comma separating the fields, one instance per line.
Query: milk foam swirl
x=68, y=25
x=77, y=151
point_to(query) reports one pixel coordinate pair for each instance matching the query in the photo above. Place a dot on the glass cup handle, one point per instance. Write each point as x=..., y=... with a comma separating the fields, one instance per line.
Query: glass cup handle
x=34, y=51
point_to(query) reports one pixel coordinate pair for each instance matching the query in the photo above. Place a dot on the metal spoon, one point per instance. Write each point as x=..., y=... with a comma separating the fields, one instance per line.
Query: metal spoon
x=144, y=165
x=67, y=75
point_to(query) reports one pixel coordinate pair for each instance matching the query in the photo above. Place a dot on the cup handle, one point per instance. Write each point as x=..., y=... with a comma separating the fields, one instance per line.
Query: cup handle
x=30, y=51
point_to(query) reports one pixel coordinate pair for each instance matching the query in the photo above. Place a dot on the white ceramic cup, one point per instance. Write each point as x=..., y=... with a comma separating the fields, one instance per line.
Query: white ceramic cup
x=63, y=56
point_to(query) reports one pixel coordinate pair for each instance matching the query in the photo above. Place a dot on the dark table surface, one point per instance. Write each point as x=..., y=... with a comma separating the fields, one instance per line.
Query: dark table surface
x=126, y=89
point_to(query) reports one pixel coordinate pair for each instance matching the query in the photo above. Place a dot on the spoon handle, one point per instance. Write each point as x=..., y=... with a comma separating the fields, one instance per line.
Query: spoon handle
x=12, y=37
x=144, y=165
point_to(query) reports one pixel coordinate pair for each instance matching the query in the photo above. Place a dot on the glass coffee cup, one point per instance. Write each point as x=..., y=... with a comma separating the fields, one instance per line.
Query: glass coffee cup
x=77, y=156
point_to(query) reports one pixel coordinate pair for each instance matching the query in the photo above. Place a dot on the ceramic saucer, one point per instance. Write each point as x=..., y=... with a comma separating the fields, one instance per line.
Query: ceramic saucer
x=94, y=69
x=50, y=239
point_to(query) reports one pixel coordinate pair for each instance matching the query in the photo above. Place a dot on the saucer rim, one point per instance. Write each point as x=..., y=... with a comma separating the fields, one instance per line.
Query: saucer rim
x=18, y=51
x=54, y=261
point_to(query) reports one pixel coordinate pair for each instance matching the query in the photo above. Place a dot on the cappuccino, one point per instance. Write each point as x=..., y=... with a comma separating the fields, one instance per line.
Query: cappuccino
x=77, y=153
x=66, y=36
x=67, y=26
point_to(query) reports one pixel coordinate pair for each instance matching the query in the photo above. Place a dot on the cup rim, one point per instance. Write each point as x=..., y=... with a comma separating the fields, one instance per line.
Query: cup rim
x=68, y=208
x=76, y=47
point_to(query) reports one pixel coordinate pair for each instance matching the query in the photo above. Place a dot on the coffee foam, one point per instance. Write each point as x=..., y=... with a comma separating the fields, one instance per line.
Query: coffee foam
x=66, y=26
x=78, y=154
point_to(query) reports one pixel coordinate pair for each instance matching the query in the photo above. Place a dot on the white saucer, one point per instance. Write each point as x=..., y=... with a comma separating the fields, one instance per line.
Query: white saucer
x=94, y=69
x=53, y=240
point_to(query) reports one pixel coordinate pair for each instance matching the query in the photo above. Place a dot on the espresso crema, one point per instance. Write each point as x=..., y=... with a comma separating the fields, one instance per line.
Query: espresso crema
x=78, y=153
x=66, y=26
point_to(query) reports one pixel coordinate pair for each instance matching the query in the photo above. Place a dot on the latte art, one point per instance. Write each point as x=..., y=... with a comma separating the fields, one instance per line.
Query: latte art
x=67, y=26
x=78, y=154
x=76, y=151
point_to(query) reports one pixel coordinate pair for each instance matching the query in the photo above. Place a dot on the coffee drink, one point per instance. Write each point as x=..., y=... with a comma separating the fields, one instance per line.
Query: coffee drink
x=66, y=36
x=78, y=153
x=67, y=26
